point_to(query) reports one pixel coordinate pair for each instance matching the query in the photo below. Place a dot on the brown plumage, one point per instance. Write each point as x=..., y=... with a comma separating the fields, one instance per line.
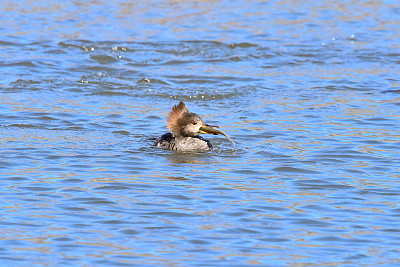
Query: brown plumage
x=184, y=127
x=179, y=118
x=175, y=117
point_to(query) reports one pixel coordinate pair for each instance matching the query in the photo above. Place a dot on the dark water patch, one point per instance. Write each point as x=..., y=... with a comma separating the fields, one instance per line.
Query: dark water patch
x=10, y=43
x=320, y=184
x=170, y=214
x=54, y=51
x=395, y=91
x=16, y=178
x=77, y=209
x=36, y=188
x=121, y=132
x=152, y=81
x=20, y=224
x=354, y=171
x=7, y=163
x=93, y=201
x=199, y=242
x=109, y=93
x=62, y=239
x=275, y=240
x=112, y=222
x=310, y=223
x=239, y=230
x=83, y=45
x=177, y=197
x=104, y=59
x=247, y=172
x=112, y=188
x=380, y=191
x=289, y=169
x=14, y=259
x=22, y=83
x=24, y=63
x=130, y=232
x=344, y=154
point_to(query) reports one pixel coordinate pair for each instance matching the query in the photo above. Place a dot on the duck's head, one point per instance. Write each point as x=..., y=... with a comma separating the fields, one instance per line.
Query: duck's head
x=182, y=122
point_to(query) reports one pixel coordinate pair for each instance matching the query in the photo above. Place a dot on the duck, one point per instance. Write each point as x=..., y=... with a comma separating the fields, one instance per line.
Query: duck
x=185, y=128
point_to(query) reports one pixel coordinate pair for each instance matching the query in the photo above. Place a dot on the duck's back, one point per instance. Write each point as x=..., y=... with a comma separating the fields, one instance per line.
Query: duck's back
x=180, y=143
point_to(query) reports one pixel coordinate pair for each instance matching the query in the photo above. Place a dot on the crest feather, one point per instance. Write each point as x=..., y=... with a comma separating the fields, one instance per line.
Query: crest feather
x=176, y=118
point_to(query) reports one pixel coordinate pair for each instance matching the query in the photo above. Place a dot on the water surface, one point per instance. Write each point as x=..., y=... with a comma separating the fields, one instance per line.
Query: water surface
x=308, y=91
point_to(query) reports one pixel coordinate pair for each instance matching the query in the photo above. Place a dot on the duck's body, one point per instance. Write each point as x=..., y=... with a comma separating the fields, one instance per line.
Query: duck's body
x=184, y=127
x=181, y=143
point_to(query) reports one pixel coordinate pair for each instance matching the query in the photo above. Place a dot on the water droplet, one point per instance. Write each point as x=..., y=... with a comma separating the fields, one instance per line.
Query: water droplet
x=144, y=80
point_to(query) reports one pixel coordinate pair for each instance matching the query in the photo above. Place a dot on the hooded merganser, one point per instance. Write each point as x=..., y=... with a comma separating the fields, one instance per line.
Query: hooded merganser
x=185, y=127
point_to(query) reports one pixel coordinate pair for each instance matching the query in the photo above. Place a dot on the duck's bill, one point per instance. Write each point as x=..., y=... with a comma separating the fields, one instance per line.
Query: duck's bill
x=207, y=129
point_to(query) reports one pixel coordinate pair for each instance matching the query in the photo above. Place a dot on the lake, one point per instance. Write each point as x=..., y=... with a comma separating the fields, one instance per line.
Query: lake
x=309, y=91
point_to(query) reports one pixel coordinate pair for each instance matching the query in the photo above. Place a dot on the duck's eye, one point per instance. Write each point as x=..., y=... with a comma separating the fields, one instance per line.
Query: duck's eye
x=194, y=123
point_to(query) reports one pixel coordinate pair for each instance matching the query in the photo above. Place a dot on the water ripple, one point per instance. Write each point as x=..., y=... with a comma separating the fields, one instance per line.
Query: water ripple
x=308, y=92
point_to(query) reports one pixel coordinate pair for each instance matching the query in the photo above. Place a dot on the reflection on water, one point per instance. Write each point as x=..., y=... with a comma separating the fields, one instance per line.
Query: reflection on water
x=308, y=91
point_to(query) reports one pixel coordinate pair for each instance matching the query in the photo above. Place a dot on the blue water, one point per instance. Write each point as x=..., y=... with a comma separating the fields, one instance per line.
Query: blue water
x=309, y=91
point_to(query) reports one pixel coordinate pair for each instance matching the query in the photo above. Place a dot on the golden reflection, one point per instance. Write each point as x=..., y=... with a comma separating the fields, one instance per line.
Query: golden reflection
x=177, y=178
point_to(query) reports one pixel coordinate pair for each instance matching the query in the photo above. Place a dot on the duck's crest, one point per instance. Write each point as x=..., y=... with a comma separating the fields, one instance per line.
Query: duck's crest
x=176, y=118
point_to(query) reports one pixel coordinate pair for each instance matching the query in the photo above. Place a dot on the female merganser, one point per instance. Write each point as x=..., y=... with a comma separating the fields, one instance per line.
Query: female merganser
x=185, y=127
